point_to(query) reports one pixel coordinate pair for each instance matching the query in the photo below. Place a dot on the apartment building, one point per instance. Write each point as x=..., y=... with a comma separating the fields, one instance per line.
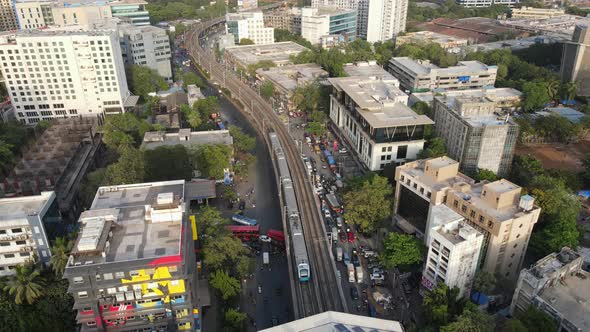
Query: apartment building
x=506, y=100
x=58, y=73
x=496, y=209
x=284, y=18
x=368, y=69
x=22, y=229
x=132, y=266
x=318, y=23
x=531, y=12
x=42, y=13
x=279, y=53
x=575, y=62
x=377, y=20
x=372, y=115
x=8, y=19
x=558, y=286
x=146, y=46
x=475, y=134
x=453, y=251
x=249, y=25
x=421, y=76
x=247, y=4
x=487, y=3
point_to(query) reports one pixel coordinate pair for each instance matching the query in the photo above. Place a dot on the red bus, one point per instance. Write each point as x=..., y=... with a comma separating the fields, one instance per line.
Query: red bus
x=277, y=236
x=245, y=233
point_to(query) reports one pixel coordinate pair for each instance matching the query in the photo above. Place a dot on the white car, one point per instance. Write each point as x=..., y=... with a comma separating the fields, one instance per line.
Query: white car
x=342, y=150
x=327, y=214
x=264, y=238
x=377, y=277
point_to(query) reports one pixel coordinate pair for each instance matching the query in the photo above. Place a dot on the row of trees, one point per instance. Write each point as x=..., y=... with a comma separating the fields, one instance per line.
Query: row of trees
x=161, y=10
x=198, y=115
x=13, y=137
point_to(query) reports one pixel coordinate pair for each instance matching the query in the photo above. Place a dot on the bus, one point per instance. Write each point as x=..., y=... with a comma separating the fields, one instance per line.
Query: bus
x=245, y=233
x=277, y=236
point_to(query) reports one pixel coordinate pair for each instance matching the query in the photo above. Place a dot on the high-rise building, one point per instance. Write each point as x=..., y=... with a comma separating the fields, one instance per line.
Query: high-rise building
x=319, y=23
x=8, y=19
x=453, y=251
x=60, y=73
x=247, y=4
x=249, y=25
x=284, y=18
x=377, y=20
x=22, y=229
x=133, y=264
x=496, y=209
x=146, y=46
x=421, y=76
x=575, y=62
x=475, y=134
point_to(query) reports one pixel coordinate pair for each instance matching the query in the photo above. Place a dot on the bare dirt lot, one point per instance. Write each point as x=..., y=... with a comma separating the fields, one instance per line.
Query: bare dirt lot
x=561, y=156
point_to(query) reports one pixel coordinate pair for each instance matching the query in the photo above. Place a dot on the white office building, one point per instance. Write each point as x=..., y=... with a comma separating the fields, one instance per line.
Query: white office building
x=317, y=24
x=22, y=233
x=372, y=115
x=59, y=73
x=147, y=46
x=377, y=20
x=249, y=25
x=453, y=250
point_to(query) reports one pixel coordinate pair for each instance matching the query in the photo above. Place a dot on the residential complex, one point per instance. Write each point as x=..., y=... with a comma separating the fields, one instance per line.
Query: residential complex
x=420, y=76
x=575, y=62
x=43, y=13
x=278, y=53
x=133, y=262
x=284, y=18
x=496, y=209
x=453, y=251
x=146, y=46
x=249, y=25
x=531, y=12
x=247, y=4
x=59, y=73
x=338, y=321
x=8, y=19
x=319, y=23
x=58, y=160
x=560, y=26
x=557, y=285
x=475, y=134
x=22, y=229
x=449, y=43
x=505, y=99
x=487, y=3
x=286, y=79
x=372, y=115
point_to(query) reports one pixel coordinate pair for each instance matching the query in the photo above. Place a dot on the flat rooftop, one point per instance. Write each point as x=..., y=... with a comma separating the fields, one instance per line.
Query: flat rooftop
x=331, y=321
x=370, y=92
x=431, y=37
x=154, y=139
x=570, y=298
x=416, y=170
x=368, y=69
x=137, y=221
x=494, y=94
x=460, y=105
x=457, y=232
x=20, y=207
x=394, y=115
x=291, y=76
x=277, y=52
x=424, y=67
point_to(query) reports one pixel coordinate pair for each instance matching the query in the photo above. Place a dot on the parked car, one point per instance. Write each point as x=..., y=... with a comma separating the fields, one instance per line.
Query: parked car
x=351, y=237
x=377, y=270
x=343, y=150
x=342, y=236
x=355, y=260
x=327, y=214
x=354, y=293
x=264, y=238
x=377, y=277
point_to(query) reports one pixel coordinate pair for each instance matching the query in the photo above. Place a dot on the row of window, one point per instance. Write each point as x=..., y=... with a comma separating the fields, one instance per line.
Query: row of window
x=123, y=275
x=22, y=254
x=9, y=243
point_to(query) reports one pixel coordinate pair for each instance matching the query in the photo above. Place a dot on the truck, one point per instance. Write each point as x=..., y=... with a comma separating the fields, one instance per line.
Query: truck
x=265, y=258
x=338, y=254
x=334, y=234
x=333, y=202
x=350, y=268
x=241, y=219
x=359, y=274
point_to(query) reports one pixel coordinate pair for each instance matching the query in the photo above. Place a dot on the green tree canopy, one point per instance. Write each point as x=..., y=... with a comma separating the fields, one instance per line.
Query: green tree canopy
x=442, y=306
x=142, y=80
x=471, y=321
x=246, y=41
x=129, y=169
x=366, y=206
x=235, y=320
x=485, y=174
x=525, y=169
x=267, y=89
x=190, y=78
x=123, y=129
x=211, y=222
x=60, y=253
x=264, y=64
x=315, y=128
x=434, y=148
x=514, y=325
x=423, y=108
x=401, y=249
x=211, y=160
x=535, y=95
x=227, y=286
x=226, y=252
x=242, y=142
x=167, y=163
x=536, y=320
x=26, y=285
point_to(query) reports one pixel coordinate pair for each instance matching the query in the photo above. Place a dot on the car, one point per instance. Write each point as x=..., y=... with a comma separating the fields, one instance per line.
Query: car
x=259, y=289
x=342, y=236
x=377, y=270
x=324, y=166
x=342, y=150
x=315, y=170
x=354, y=293
x=242, y=205
x=329, y=222
x=377, y=277
x=351, y=237
x=339, y=221
x=355, y=260
x=264, y=238
x=327, y=214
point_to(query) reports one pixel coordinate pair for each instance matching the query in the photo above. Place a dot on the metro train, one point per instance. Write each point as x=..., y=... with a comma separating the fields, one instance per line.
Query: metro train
x=294, y=220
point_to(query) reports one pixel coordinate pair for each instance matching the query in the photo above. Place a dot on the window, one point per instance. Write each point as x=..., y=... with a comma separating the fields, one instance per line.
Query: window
x=20, y=243
x=92, y=323
x=24, y=254
x=8, y=255
x=2, y=231
x=4, y=244
x=402, y=152
x=40, y=242
x=36, y=230
x=16, y=230
x=83, y=294
x=44, y=253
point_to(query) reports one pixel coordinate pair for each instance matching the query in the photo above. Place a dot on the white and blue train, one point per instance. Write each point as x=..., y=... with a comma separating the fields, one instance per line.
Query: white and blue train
x=294, y=220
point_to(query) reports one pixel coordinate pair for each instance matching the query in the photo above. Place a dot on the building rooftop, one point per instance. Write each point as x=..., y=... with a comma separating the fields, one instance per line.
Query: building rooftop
x=370, y=92
x=431, y=37
x=131, y=222
x=493, y=94
x=394, y=115
x=19, y=207
x=570, y=298
x=457, y=231
x=569, y=113
x=337, y=321
x=416, y=170
x=277, y=52
x=475, y=108
x=425, y=67
x=368, y=69
x=442, y=214
x=289, y=77
x=154, y=139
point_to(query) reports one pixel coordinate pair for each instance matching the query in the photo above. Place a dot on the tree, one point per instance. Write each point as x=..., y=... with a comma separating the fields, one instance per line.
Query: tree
x=535, y=95
x=123, y=129
x=206, y=107
x=6, y=155
x=142, y=80
x=514, y=325
x=194, y=119
x=225, y=252
x=158, y=165
x=484, y=282
x=569, y=90
x=442, y=305
x=434, y=148
x=384, y=51
x=129, y=169
x=60, y=253
x=235, y=320
x=90, y=185
x=242, y=142
x=524, y=169
x=226, y=285
x=423, y=108
x=211, y=160
x=553, y=89
x=190, y=78
x=246, y=41
x=401, y=249
x=26, y=285
x=264, y=64
x=485, y=174
x=368, y=204
x=267, y=89
x=211, y=222
x=471, y=321
x=316, y=128
x=537, y=320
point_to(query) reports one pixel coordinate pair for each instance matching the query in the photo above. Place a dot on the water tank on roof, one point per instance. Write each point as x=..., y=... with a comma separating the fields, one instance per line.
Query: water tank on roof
x=526, y=202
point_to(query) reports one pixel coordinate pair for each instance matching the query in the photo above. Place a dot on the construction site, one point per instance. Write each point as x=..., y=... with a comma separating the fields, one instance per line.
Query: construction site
x=57, y=161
